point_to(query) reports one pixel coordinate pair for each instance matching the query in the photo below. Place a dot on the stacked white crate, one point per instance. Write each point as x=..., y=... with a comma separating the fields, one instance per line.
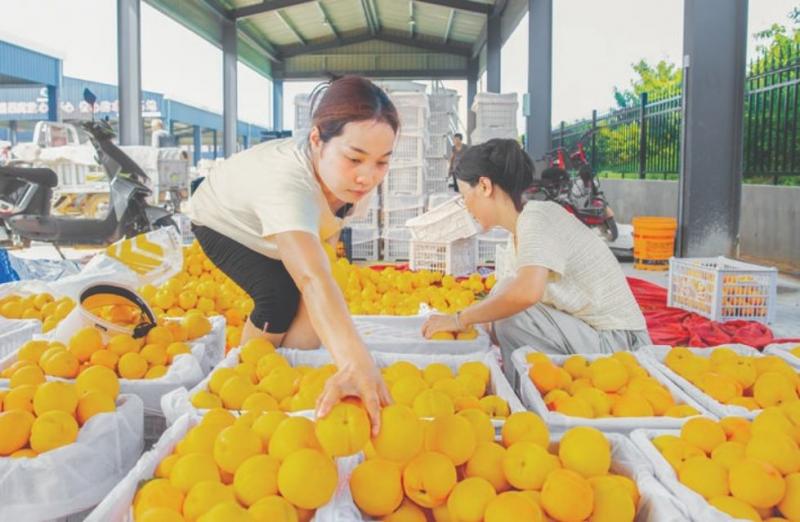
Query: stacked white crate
x=403, y=188
x=495, y=117
x=302, y=114
x=442, y=125
x=444, y=239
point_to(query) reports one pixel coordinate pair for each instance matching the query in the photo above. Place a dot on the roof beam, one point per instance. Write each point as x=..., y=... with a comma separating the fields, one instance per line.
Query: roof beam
x=283, y=18
x=424, y=44
x=462, y=5
x=297, y=50
x=327, y=20
x=449, y=25
x=264, y=7
x=244, y=33
x=389, y=73
x=376, y=16
x=368, y=17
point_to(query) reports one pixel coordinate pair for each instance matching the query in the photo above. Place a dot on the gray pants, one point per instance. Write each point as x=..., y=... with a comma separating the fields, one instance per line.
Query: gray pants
x=554, y=332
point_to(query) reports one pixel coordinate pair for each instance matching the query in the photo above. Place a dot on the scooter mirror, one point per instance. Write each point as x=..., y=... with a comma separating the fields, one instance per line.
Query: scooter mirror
x=89, y=97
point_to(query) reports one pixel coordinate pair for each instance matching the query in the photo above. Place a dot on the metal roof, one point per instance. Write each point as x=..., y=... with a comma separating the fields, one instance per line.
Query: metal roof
x=382, y=38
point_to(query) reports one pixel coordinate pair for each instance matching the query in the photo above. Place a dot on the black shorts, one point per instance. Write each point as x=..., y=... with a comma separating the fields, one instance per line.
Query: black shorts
x=266, y=280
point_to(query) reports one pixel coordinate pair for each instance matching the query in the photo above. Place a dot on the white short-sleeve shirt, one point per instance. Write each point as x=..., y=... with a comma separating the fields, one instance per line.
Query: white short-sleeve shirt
x=265, y=190
x=585, y=279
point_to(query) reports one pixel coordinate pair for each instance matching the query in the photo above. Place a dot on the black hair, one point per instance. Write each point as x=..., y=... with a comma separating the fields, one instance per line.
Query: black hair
x=458, y=135
x=503, y=162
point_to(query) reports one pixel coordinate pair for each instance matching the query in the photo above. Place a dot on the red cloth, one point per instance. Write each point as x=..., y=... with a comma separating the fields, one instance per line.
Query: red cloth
x=677, y=327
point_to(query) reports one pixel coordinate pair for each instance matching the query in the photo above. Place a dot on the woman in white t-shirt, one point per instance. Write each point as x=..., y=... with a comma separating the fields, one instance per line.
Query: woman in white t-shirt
x=568, y=294
x=263, y=214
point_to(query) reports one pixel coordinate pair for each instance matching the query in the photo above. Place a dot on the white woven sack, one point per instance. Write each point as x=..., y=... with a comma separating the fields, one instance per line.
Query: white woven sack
x=15, y=332
x=658, y=353
x=75, y=477
x=185, y=371
x=178, y=402
x=116, y=507
x=695, y=506
x=532, y=399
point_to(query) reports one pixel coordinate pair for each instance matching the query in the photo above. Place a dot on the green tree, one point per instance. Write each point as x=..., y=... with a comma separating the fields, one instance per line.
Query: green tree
x=660, y=81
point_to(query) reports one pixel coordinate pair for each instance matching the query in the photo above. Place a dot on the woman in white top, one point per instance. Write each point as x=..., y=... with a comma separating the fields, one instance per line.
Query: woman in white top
x=568, y=294
x=263, y=214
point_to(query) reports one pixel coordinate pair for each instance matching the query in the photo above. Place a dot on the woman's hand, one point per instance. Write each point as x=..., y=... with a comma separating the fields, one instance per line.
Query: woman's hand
x=360, y=378
x=440, y=323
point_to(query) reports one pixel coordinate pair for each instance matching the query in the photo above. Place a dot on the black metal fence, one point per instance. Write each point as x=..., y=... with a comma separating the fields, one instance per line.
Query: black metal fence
x=644, y=140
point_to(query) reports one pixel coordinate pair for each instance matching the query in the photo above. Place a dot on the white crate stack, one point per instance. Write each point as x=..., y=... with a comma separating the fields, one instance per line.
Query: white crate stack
x=495, y=117
x=488, y=243
x=442, y=125
x=403, y=188
x=302, y=114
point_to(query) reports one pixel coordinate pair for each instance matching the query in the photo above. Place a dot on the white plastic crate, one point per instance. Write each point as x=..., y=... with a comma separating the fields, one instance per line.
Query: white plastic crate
x=447, y=222
x=364, y=243
x=495, y=110
x=396, y=244
x=487, y=245
x=412, y=108
x=399, y=209
x=434, y=200
x=503, y=261
x=437, y=168
x=722, y=289
x=404, y=180
x=444, y=100
x=370, y=219
x=173, y=173
x=302, y=113
x=442, y=123
x=457, y=258
x=484, y=134
x=434, y=185
x=438, y=146
x=409, y=148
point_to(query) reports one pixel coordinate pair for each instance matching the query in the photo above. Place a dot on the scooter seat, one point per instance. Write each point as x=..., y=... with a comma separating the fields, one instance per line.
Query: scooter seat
x=63, y=229
x=41, y=176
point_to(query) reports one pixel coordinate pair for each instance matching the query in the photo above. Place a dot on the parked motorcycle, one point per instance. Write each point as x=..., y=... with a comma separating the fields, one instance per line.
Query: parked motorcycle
x=26, y=194
x=579, y=193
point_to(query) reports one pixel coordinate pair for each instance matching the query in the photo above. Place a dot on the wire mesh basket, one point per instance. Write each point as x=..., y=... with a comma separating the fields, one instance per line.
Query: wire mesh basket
x=438, y=168
x=370, y=219
x=442, y=123
x=457, y=258
x=409, y=148
x=438, y=146
x=444, y=100
x=434, y=185
x=302, y=114
x=723, y=289
x=412, y=108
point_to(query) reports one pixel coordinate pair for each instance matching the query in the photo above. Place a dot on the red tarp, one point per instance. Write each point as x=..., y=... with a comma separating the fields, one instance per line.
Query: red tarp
x=677, y=327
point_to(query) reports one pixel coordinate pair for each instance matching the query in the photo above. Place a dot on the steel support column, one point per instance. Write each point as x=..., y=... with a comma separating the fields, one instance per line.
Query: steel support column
x=197, y=143
x=12, y=132
x=229, y=104
x=277, y=105
x=52, y=102
x=129, y=72
x=710, y=186
x=216, y=145
x=494, y=46
x=472, y=90
x=540, y=77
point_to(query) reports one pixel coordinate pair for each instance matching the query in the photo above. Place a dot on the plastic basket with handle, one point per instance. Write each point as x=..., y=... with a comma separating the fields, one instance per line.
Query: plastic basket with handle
x=404, y=179
x=458, y=258
x=396, y=244
x=487, y=245
x=447, y=222
x=484, y=134
x=412, y=108
x=364, y=243
x=723, y=289
x=399, y=209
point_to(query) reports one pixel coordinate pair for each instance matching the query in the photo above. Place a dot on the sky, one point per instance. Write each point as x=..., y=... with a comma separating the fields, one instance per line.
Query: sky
x=595, y=43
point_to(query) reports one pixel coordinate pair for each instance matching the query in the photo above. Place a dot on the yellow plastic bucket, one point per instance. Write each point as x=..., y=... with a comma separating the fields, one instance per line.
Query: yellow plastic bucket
x=653, y=242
